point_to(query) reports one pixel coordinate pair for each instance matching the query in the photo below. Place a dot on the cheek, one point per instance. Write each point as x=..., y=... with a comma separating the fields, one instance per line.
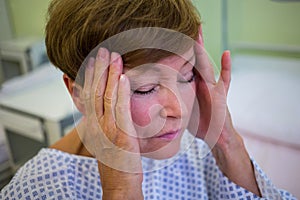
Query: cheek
x=140, y=111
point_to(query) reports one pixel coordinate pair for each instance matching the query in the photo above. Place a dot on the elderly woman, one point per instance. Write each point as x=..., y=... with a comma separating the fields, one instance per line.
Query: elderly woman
x=155, y=123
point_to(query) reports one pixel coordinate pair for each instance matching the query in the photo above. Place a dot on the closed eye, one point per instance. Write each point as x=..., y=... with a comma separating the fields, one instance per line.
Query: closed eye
x=146, y=91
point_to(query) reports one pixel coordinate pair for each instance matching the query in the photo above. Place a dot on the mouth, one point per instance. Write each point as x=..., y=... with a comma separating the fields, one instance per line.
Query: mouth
x=169, y=136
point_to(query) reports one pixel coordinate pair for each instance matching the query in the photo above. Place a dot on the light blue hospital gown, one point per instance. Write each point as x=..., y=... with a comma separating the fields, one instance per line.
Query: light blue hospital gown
x=191, y=174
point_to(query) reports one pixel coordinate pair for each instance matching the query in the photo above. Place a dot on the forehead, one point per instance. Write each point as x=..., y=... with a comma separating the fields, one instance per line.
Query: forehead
x=174, y=61
x=177, y=59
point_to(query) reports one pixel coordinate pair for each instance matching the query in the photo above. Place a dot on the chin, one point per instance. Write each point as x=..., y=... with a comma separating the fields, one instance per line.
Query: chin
x=165, y=152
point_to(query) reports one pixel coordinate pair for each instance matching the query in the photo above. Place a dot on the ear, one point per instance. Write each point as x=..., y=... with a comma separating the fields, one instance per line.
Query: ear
x=74, y=91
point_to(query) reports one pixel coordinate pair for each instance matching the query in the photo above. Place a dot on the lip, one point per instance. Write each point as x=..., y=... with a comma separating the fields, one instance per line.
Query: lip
x=169, y=136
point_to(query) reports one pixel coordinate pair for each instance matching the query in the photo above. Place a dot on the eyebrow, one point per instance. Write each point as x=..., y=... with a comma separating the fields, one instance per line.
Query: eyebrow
x=156, y=69
x=144, y=69
x=190, y=60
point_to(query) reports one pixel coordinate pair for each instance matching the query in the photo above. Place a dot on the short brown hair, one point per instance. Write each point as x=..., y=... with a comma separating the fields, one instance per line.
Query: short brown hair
x=75, y=27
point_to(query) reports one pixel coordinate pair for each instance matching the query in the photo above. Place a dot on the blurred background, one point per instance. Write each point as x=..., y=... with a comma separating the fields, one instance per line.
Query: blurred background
x=264, y=39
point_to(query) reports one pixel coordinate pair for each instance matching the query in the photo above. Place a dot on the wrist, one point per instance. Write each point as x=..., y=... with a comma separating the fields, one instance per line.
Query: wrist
x=120, y=185
x=123, y=193
x=230, y=152
x=234, y=161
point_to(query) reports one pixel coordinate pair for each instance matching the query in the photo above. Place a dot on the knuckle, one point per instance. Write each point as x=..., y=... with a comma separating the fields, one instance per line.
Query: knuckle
x=86, y=93
x=85, y=96
x=98, y=97
x=100, y=91
x=108, y=101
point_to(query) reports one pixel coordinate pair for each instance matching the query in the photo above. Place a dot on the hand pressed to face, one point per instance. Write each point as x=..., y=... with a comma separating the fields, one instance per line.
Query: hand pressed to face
x=215, y=124
x=214, y=119
x=106, y=123
x=106, y=129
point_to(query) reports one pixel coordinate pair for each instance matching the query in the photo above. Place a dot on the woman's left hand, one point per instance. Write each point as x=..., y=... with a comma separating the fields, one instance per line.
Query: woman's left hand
x=215, y=125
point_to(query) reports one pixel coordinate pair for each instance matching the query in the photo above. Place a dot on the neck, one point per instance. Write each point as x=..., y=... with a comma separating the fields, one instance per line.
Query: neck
x=72, y=144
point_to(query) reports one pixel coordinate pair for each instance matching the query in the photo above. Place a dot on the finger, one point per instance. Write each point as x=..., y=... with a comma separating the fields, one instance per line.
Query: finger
x=226, y=70
x=110, y=94
x=88, y=81
x=203, y=65
x=100, y=79
x=200, y=40
x=123, y=114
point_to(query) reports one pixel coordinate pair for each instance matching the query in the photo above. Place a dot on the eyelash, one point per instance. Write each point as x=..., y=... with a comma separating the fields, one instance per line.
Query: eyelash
x=146, y=92
x=156, y=87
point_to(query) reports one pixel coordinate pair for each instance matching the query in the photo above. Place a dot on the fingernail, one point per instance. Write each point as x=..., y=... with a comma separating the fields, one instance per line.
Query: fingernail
x=122, y=78
x=115, y=58
x=91, y=62
x=102, y=53
x=228, y=53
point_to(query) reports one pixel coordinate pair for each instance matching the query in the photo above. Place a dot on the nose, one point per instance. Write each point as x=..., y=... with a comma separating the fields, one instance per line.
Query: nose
x=171, y=101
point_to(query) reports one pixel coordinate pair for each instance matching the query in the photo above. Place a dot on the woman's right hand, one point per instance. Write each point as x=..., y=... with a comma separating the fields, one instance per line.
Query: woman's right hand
x=107, y=129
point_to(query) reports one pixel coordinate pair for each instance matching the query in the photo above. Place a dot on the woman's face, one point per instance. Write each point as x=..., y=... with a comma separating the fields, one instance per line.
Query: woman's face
x=162, y=98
